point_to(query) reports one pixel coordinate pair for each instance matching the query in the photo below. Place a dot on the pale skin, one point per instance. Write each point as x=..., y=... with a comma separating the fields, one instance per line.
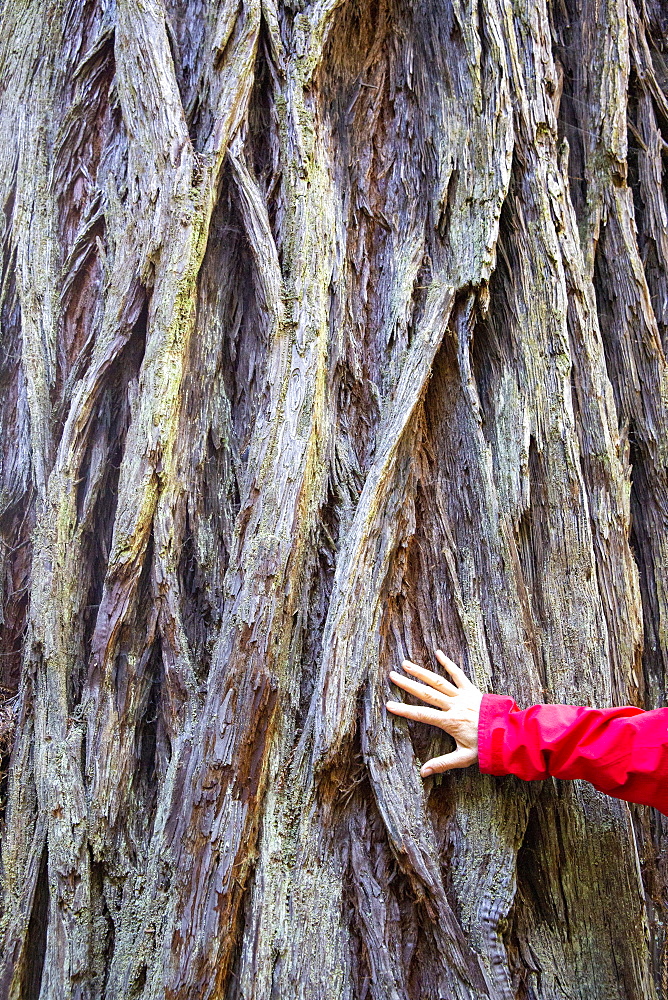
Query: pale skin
x=455, y=707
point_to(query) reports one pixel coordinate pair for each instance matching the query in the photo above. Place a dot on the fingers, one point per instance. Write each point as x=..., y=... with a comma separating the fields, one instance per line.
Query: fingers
x=428, y=694
x=429, y=677
x=436, y=690
x=457, y=674
x=417, y=713
x=461, y=757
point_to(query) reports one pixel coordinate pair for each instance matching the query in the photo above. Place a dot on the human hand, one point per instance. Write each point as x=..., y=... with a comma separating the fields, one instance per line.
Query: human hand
x=457, y=710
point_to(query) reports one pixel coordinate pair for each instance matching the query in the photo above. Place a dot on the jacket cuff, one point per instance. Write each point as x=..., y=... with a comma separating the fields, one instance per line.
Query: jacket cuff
x=494, y=711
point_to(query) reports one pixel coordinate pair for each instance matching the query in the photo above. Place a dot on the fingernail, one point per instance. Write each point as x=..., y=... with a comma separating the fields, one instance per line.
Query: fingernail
x=426, y=771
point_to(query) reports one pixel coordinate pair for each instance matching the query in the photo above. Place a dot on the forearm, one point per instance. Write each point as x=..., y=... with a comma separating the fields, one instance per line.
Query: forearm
x=621, y=751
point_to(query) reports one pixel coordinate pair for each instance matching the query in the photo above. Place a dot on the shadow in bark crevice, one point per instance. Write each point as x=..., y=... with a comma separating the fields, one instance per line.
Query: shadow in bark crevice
x=321, y=572
x=653, y=685
x=651, y=832
x=523, y=965
x=109, y=424
x=647, y=136
x=566, y=28
x=357, y=114
x=152, y=746
x=538, y=901
x=262, y=144
x=186, y=29
x=223, y=391
x=633, y=356
x=533, y=541
x=389, y=926
x=17, y=500
x=200, y=587
x=104, y=931
x=97, y=486
x=16, y=556
x=229, y=281
x=35, y=947
x=89, y=127
x=382, y=80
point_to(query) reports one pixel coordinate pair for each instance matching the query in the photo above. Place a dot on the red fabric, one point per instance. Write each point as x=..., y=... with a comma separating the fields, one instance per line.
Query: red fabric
x=621, y=751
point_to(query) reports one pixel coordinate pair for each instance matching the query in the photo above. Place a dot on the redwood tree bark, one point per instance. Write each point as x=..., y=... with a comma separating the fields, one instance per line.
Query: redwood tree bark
x=331, y=332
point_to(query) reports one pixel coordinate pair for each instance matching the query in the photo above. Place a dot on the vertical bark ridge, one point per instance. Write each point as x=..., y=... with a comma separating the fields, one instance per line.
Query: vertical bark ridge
x=242, y=682
x=486, y=618
x=405, y=395
x=17, y=504
x=630, y=313
x=56, y=760
x=37, y=252
x=648, y=124
x=468, y=256
x=16, y=495
x=563, y=492
x=177, y=246
x=633, y=349
x=58, y=640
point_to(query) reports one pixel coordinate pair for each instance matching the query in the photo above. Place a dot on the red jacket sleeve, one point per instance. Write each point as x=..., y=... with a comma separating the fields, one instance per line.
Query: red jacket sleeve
x=621, y=751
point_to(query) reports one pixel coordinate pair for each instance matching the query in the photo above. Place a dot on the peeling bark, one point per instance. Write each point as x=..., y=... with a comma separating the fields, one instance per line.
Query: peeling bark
x=330, y=333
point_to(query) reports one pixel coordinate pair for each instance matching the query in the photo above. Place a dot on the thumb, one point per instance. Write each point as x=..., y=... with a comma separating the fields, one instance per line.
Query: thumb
x=461, y=757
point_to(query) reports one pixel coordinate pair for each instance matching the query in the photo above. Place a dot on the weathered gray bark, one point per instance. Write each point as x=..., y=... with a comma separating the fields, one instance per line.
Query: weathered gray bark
x=331, y=332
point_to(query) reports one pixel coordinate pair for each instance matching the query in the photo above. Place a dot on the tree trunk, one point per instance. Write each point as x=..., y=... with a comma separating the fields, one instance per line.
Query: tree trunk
x=331, y=333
